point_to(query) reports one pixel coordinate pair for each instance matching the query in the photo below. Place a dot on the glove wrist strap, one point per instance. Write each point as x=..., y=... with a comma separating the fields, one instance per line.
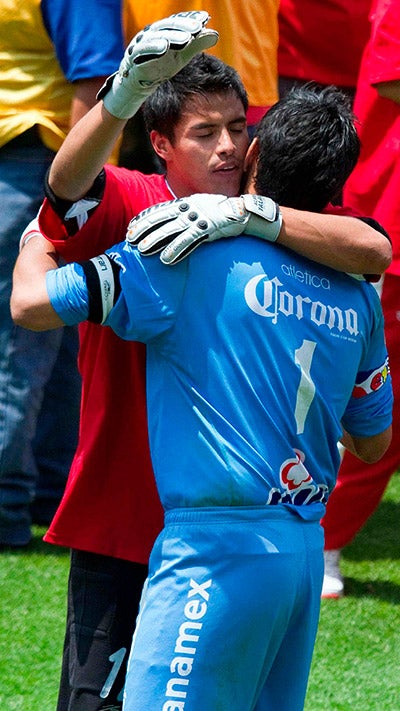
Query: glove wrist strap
x=265, y=220
x=118, y=102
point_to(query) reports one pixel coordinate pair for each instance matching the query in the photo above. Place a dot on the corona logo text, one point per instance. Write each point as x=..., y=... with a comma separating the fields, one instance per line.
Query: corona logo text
x=267, y=298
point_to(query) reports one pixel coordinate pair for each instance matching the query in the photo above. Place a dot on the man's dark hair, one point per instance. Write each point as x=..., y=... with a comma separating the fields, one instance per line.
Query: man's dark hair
x=308, y=147
x=204, y=74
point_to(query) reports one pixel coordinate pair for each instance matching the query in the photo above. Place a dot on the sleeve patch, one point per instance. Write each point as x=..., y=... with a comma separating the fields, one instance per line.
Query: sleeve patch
x=374, y=381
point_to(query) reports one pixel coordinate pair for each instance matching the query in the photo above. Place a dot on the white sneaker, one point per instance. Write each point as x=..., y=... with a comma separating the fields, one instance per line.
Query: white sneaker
x=333, y=585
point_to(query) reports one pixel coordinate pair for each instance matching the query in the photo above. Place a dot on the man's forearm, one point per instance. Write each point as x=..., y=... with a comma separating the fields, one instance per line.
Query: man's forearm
x=84, y=153
x=154, y=55
x=84, y=98
x=343, y=243
x=30, y=304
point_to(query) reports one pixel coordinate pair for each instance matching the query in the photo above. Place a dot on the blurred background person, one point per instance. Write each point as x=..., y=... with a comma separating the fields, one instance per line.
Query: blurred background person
x=321, y=42
x=54, y=57
x=373, y=188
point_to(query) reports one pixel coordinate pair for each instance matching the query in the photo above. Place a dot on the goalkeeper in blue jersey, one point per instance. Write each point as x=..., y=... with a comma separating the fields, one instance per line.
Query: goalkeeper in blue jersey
x=258, y=362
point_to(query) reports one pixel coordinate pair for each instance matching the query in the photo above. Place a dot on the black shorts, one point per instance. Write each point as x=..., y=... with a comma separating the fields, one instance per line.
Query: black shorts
x=103, y=601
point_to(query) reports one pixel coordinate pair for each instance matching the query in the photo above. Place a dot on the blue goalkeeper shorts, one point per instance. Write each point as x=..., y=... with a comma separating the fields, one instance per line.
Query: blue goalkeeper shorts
x=229, y=612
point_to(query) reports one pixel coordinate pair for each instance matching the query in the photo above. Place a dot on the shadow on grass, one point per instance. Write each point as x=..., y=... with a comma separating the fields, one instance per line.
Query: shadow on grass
x=379, y=538
x=377, y=541
x=384, y=590
x=38, y=546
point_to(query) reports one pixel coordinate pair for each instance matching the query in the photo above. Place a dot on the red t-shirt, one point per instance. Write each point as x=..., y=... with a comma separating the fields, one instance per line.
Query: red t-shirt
x=322, y=40
x=374, y=186
x=110, y=505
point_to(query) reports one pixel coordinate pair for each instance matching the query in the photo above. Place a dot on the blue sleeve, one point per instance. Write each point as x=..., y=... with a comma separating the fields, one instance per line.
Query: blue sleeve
x=87, y=36
x=369, y=411
x=372, y=414
x=151, y=294
x=68, y=293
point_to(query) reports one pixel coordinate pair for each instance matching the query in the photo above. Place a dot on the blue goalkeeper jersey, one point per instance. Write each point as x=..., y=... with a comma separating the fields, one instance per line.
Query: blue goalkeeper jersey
x=256, y=358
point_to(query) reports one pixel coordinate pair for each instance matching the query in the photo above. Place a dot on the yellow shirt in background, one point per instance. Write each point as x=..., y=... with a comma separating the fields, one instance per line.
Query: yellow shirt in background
x=33, y=88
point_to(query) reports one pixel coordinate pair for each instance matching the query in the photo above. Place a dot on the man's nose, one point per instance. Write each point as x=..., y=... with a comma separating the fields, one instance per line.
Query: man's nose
x=225, y=143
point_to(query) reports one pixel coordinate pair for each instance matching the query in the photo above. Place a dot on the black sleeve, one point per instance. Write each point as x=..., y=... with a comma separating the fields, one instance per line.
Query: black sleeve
x=75, y=214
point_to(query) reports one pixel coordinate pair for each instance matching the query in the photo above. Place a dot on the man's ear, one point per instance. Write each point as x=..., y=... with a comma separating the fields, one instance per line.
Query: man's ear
x=250, y=163
x=161, y=145
x=252, y=154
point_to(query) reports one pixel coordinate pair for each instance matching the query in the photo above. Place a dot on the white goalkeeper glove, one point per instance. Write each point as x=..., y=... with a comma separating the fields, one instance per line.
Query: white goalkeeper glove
x=179, y=226
x=155, y=54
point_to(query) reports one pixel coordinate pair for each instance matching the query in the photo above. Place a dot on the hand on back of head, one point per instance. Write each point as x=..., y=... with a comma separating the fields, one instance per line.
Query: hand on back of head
x=155, y=54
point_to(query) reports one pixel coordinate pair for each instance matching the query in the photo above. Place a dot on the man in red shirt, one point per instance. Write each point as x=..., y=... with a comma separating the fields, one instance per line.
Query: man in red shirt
x=110, y=513
x=373, y=188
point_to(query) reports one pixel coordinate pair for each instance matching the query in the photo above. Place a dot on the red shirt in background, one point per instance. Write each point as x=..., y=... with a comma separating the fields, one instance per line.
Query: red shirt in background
x=374, y=186
x=322, y=40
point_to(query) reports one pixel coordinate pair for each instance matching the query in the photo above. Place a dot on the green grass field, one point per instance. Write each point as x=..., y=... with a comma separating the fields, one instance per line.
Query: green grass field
x=357, y=658
x=356, y=664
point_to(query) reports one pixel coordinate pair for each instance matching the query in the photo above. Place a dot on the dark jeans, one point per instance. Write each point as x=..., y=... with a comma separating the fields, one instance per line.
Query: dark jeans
x=27, y=360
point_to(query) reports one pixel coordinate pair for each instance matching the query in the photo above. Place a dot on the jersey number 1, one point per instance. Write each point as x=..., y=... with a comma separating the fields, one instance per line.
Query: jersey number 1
x=305, y=393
